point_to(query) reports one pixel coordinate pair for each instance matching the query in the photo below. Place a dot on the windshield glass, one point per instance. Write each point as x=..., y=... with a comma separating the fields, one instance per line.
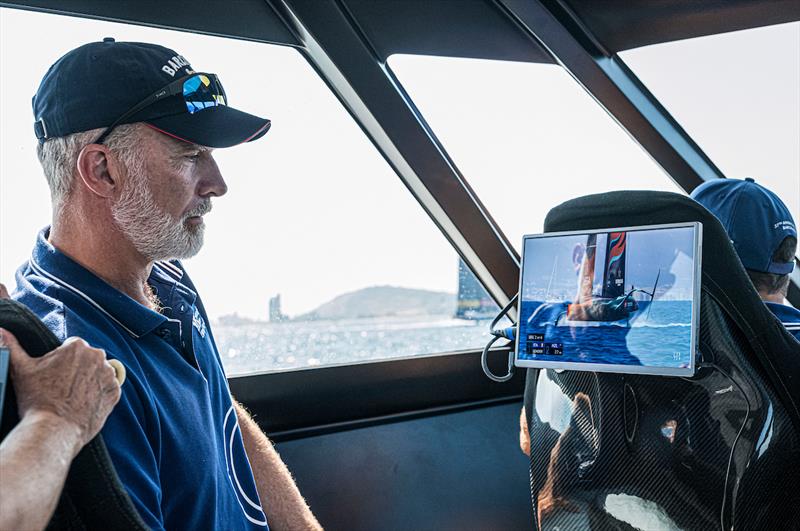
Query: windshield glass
x=525, y=136
x=738, y=96
x=316, y=255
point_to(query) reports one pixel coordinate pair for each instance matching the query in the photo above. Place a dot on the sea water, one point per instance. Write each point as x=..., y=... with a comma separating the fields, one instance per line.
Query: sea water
x=656, y=335
x=260, y=347
x=659, y=339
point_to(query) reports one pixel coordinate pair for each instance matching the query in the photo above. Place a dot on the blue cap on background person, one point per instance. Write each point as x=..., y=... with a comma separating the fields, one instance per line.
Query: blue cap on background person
x=106, y=84
x=755, y=218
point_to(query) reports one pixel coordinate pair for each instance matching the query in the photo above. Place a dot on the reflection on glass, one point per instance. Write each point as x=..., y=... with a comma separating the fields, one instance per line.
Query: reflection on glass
x=639, y=513
x=766, y=432
x=668, y=430
x=553, y=407
x=556, y=504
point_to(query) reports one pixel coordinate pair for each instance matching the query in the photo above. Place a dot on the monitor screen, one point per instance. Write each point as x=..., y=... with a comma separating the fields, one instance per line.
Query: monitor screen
x=620, y=300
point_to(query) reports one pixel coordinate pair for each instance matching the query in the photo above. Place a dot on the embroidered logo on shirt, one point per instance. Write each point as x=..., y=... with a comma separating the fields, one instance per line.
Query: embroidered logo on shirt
x=198, y=323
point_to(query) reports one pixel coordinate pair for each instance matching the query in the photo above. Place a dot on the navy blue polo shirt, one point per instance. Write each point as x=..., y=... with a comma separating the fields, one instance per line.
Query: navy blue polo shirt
x=788, y=316
x=174, y=436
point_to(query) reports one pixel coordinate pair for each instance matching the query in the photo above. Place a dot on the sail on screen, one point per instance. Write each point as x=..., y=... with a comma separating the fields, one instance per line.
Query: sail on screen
x=618, y=300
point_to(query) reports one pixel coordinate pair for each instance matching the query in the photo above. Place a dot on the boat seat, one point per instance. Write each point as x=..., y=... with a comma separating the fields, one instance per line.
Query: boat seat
x=720, y=450
x=93, y=497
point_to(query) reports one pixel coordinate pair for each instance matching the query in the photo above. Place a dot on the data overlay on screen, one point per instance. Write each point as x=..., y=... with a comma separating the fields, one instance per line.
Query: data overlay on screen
x=617, y=300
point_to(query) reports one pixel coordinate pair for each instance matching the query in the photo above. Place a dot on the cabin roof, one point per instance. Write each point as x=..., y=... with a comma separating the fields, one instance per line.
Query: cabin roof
x=457, y=28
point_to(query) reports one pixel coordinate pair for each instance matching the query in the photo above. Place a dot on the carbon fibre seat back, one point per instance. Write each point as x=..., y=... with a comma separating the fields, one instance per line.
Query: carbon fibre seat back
x=720, y=450
x=93, y=497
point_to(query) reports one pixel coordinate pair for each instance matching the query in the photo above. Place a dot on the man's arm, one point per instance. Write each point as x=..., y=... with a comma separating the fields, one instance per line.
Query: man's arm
x=282, y=502
x=524, y=433
x=63, y=399
x=34, y=460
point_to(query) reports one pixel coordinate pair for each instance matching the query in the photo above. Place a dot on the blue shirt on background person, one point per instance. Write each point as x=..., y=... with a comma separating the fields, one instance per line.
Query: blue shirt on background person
x=174, y=436
x=764, y=235
x=788, y=316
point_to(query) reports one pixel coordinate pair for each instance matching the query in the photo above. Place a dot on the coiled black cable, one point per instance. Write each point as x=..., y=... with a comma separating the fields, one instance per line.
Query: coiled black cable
x=498, y=334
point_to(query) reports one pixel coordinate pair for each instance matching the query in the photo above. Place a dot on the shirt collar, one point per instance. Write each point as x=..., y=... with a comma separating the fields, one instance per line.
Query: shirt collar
x=786, y=314
x=170, y=275
x=134, y=318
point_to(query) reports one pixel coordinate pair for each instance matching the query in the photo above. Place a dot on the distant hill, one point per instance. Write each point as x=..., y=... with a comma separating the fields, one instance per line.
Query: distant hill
x=234, y=319
x=384, y=301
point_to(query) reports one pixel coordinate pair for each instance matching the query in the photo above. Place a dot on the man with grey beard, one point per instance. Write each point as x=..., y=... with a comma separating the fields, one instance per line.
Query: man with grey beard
x=126, y=133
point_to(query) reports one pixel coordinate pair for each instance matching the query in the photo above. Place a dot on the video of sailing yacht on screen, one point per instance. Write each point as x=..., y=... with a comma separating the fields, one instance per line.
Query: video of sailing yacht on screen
x=615, y=298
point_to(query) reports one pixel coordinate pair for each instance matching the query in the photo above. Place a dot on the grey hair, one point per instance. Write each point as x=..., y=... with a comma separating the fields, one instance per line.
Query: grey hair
x=59, y=157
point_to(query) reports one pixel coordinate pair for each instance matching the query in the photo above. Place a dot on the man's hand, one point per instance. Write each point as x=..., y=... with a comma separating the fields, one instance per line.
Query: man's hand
x=74, y=382
x=63, y=399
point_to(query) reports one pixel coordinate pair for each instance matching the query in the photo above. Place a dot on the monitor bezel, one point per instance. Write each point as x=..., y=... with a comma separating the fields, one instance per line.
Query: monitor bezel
x=615, y=368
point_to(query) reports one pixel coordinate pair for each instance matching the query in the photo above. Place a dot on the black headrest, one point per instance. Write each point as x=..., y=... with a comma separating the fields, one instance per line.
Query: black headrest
x=93, y=497
x=723, y=276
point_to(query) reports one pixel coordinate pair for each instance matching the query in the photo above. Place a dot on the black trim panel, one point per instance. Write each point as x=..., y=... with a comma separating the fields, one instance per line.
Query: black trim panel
x=349, y=394
x=338, y=427
x=461, y=471
x=625, y=24
x=459, y=28
x=451, y=28
x=241, y=19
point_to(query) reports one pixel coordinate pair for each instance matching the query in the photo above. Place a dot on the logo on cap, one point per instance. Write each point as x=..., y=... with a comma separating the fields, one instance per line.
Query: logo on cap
x=174, y=64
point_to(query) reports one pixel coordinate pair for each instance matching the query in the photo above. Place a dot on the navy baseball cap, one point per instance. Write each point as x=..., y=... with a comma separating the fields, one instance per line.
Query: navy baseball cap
x=755, y=218
x=109, y=83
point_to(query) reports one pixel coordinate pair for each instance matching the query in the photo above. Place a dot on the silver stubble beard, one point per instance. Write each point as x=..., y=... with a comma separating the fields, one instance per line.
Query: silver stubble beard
x=155, y=233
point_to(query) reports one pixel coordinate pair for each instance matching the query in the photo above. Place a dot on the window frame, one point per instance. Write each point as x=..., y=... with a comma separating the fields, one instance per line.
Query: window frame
x=328, y=36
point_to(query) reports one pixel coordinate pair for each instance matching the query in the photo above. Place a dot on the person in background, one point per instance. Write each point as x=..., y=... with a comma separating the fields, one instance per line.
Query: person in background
x=764, y=235
x=63, y=399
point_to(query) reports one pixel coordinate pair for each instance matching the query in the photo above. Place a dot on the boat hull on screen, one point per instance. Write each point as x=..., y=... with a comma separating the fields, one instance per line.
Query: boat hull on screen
x=657, y=332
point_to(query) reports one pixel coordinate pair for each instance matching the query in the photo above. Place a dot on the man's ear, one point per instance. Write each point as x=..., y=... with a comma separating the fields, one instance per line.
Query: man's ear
x=94, y=169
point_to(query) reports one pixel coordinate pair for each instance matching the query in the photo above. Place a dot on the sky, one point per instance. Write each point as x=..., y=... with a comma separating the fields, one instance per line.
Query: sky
x=528, y=137
x=738, y=97
x=548, y=263
x=313, y=210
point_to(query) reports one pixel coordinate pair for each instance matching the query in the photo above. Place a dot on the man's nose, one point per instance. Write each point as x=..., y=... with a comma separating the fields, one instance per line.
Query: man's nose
x=212, y=183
